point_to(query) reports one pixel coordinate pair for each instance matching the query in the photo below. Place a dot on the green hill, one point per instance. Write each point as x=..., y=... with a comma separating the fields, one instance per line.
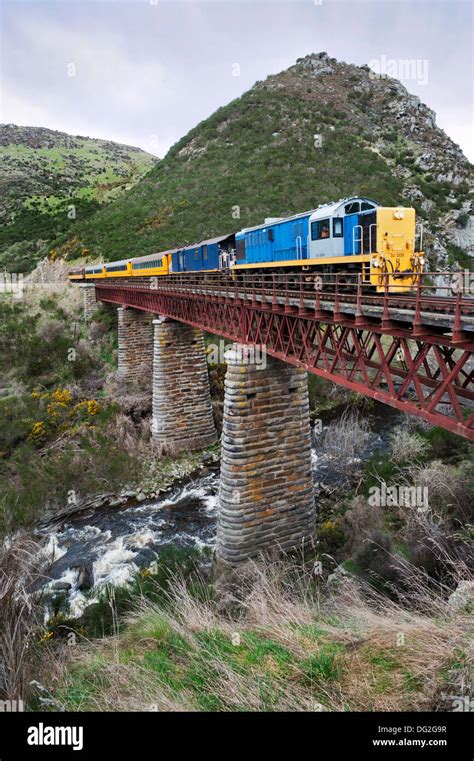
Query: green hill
x=316, y=132
x=313, y=133
x=48, y=179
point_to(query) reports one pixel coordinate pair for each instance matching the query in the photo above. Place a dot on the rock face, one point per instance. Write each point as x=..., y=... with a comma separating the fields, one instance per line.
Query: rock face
x=84, y=579
x=462, y=597
x=266, y=493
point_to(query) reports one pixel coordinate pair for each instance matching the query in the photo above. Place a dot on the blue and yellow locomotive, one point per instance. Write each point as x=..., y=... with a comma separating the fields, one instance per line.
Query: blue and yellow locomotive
x=351, y=236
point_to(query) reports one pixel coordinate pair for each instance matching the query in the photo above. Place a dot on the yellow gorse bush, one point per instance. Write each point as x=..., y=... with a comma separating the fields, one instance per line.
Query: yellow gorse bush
x=328, y=526
x=92, y=407
x=62, y=396
x=38, y=431
x=46, y=637
x=52, y=410
x=61, y=415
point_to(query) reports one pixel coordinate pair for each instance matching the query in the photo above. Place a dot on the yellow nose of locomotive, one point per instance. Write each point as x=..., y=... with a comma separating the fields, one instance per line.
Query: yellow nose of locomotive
x=396, y=262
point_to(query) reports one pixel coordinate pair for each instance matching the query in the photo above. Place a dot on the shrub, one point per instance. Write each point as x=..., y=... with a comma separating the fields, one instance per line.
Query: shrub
x=462, y=219
x=19, y=618
x=450, y=489
x=359, y=521
x=377, y=563
x=407, y=446
x=344, y=440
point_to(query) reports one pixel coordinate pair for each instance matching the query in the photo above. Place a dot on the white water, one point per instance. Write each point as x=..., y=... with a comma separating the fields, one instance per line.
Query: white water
x=120, y=542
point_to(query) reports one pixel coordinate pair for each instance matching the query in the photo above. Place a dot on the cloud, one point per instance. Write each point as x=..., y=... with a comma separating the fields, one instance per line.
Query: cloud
x=146, y=74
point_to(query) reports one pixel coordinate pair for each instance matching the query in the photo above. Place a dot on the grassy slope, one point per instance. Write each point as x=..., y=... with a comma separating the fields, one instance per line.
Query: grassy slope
x=44, y=172
x=282, y=645
x=61, y=424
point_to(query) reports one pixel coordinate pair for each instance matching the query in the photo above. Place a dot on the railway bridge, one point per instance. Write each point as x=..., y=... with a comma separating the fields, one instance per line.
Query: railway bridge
x=411, y=351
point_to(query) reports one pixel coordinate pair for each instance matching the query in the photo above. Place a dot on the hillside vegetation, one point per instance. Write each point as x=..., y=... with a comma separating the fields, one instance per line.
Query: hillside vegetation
x=319, y=131
x=49, y=179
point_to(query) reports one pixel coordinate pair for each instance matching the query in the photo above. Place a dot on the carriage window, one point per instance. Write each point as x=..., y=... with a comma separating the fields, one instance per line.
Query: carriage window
x=320, y=229
x=366, y=206
x=196, y=254
x=271, y=235
x=337, y=228
x=352, y=208
x=204, y=253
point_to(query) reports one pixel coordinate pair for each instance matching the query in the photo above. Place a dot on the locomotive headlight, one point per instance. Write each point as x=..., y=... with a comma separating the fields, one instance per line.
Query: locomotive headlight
x=398, y=214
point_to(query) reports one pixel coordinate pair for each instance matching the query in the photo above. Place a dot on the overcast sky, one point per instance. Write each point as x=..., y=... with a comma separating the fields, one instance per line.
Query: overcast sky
x=144, y=72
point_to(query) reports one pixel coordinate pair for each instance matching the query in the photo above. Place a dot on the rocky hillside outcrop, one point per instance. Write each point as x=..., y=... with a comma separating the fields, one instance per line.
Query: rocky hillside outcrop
x=397, y=126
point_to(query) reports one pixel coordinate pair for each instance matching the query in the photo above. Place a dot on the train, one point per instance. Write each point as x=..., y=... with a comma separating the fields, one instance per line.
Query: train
x=351, y=237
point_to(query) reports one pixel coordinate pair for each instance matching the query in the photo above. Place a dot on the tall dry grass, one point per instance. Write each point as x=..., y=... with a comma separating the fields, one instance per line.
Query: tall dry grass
x=19, y=618
x=281, y=642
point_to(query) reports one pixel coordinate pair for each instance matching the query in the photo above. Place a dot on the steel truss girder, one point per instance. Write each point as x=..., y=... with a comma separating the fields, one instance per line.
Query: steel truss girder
x=426, y=375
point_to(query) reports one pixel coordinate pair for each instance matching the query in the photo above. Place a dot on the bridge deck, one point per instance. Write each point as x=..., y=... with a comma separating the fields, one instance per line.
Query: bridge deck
x=439, y=318
x=412, y=352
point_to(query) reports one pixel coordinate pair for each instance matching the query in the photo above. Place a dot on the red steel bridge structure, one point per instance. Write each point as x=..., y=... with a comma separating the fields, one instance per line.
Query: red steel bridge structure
x=413, y=351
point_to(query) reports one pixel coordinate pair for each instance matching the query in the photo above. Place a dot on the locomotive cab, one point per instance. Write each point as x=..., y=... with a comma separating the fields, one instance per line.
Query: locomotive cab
x=359, y=233
x=396, y=261
x=344, y=228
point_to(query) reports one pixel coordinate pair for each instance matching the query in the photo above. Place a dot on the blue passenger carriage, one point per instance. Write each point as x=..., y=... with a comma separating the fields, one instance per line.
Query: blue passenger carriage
x=212, y=254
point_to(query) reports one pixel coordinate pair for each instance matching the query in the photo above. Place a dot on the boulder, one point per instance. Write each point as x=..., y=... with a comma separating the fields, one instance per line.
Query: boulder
x=84, y=579
x=62, y=586
x=462, y=596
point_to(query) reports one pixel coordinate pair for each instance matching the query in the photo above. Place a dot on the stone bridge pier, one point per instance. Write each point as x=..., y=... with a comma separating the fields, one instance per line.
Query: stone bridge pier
x=90, y=303
x=168, y=359
x=135, y=348
x=266, y=495
x=182, y=407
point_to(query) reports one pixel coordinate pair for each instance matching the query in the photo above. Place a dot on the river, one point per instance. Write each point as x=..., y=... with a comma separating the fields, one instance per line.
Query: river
x=107, y=545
